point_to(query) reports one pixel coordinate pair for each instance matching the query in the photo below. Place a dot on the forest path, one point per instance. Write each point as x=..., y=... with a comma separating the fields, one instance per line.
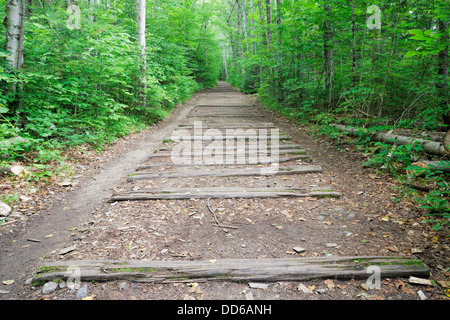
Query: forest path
x=184, y=202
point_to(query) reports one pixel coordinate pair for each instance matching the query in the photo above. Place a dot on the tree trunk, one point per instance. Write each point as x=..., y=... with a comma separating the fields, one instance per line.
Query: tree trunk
x=279, y=50
x=244, y=19
x=15, y=29
x=328, y=56
x=354, y=77
x=140, y=21
x=442, y=84
x=14, y=24
x=252, y=11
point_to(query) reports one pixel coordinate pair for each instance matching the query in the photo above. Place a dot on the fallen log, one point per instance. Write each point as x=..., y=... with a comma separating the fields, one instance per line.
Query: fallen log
x=206, y=138
x=237, y=162
x=233, y=153
x=227, y=173
x=270, y=270
x=247, y=148
x=433, y=165
x=235, y=125
x=223, y=193
x=430, y=147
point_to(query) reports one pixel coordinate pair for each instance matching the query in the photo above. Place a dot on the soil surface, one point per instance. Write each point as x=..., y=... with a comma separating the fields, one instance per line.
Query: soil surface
x=363, y=221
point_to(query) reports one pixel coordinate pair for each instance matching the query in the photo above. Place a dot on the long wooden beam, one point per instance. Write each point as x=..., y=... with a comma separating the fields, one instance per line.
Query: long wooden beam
x=269, y=270
x=222, y=193
x=226, y=173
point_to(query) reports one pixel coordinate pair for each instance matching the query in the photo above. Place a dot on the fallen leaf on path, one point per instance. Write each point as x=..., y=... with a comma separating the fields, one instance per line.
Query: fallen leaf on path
x=89, y=298
x=330, y=284
x=194, y=287
x=392, y=249
x=311, y=288
x=399, y=284
x=447, y=292
x=444, y=283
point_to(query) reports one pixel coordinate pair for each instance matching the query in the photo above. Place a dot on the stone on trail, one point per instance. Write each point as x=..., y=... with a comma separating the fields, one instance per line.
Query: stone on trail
x=255, y=285
x=5, y=210
x=299, y=249
x=82, y=292
x=49, y=287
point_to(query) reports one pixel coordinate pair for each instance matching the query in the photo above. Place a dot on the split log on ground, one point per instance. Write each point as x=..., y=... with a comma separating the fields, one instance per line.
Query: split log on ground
x=234, y=148
x=235, y=125
x=223, y=193
x=236, y=162
x=206, y=138
x=430, y=147
x=269, y=171
x=5, y=144
x=215, y=153
x=225, y=107
x=251, y=116
x=218, y=113
x=232, y=269
x=434, y=165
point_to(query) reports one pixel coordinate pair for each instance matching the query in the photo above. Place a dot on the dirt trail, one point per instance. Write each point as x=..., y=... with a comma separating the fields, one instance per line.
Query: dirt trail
x=332, y=209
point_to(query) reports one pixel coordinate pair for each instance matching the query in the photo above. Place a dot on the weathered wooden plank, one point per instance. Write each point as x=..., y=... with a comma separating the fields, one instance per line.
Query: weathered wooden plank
x=233, y=124
x=247, y=146
x=225, y=114
x=237, y=116
x=218, y=195
x=269, y=137
x=232, y=270
x=237, y=162
x=227, y=173
x=235, y=153
x=223, y=193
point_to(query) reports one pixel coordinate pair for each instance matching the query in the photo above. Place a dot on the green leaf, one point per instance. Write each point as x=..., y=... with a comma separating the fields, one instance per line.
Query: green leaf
x=415, y=32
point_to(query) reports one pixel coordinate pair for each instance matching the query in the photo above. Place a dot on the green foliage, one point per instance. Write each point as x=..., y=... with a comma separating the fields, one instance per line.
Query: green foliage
x=81, y=86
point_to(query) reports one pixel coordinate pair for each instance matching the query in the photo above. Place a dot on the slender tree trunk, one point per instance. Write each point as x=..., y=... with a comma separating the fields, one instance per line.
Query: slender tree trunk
x=244, y=19
x=140, y=21
x=225, y=63
x=15, y=25
x=252, y=11
x=269, y=39
x=14, y=43
x=328, y=56
x=354, y=77
x=279, y=49
x=269, y=22
x=442, y=84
